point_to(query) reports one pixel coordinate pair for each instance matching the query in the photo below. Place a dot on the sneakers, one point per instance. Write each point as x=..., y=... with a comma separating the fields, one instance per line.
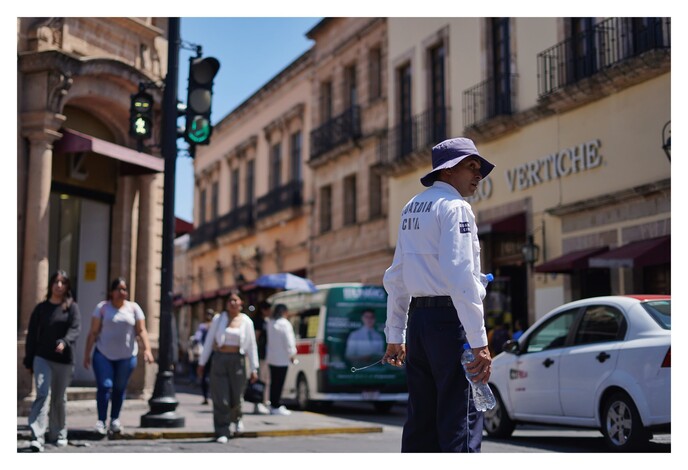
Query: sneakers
x=100, y=428
x=260, y=409
x=115, y=426
x=61, y=443
x=36, y=446
x=222, y=440
x=282, y=410
x=239, y=426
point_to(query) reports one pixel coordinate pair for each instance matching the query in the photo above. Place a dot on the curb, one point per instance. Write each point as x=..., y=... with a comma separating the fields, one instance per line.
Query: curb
x=145, y=435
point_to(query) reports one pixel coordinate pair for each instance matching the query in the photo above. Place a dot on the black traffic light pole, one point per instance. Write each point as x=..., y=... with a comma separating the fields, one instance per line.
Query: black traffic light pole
x=164, y=403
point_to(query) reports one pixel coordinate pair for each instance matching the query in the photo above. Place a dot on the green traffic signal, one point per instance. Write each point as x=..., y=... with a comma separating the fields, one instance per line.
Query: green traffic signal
x=199, y=131
x=141, y=116
x=202, y=71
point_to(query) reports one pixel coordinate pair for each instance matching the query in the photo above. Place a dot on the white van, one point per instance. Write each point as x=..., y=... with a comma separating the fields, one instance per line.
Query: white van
x=338, y=329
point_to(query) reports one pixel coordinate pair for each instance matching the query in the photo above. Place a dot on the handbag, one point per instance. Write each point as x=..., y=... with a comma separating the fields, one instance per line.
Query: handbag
x=254, y=391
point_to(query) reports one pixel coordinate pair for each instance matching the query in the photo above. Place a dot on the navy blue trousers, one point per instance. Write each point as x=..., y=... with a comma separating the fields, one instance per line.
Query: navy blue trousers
x=441, y=415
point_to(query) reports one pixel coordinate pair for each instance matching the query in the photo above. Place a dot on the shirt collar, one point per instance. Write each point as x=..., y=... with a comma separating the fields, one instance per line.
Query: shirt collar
x=442, y=185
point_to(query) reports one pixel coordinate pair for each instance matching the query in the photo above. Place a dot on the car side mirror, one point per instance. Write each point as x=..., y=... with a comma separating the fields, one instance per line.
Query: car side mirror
x=512, y=347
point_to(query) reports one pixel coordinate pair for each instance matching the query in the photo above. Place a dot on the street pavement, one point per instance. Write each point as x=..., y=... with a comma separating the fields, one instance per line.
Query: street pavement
x=197, y=421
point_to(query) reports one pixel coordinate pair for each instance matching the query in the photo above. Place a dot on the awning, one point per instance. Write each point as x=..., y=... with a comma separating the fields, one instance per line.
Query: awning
x=570, y=261
x=514, y=223
x=133, y=162
x=648, y=252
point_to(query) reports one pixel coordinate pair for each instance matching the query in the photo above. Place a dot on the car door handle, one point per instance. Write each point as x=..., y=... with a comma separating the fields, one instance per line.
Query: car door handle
x=603, y=356
x=548, y=362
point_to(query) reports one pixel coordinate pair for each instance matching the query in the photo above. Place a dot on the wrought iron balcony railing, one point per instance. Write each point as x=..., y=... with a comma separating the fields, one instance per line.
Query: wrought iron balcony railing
x=489, y=99
x=336, y=131
x=204, y=233
x=420, y=132
x=284, y=197
x=240, y=217
x=609, y=42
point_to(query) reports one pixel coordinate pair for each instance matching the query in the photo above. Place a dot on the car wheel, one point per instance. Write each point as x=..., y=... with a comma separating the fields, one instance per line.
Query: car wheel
x=302, y=393
x=621, y=425
x=383, y=406
x=496, y=421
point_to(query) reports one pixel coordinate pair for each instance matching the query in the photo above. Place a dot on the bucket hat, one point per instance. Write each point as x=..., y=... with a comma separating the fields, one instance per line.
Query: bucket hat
x=449, y=153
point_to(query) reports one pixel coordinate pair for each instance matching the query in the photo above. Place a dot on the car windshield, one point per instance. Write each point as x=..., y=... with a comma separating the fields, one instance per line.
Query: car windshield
x=660, y=310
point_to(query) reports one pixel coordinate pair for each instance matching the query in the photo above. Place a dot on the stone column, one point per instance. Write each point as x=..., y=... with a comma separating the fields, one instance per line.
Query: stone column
x=40, y=128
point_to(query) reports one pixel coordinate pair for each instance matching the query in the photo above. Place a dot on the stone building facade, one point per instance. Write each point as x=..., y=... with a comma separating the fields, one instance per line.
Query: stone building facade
x=89, y=197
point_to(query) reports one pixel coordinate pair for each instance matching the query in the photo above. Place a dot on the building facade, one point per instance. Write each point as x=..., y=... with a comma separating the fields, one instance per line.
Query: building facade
x=89, y=196
x=349, y=232
x=571, y=111
x=253, y=198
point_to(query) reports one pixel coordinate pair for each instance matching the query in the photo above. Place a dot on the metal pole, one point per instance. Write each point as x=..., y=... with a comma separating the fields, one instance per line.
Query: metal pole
x=163, y=403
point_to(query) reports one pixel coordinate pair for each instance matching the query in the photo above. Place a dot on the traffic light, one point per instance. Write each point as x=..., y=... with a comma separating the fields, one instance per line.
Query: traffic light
x=202, y=71
x=141, y=116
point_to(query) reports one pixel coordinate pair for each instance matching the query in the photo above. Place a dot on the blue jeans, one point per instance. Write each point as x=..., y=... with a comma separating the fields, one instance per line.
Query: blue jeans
x=111, y=382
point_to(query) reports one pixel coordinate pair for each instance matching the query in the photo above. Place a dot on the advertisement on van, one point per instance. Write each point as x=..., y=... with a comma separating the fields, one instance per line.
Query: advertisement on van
x=354, y=336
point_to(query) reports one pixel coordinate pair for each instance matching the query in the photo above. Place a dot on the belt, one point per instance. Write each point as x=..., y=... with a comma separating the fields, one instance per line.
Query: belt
x=432, y=302
x=226, y=349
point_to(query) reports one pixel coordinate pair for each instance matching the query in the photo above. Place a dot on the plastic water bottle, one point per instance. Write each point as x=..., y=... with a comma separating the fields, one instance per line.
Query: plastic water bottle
x=482, y=393
x=486, y=279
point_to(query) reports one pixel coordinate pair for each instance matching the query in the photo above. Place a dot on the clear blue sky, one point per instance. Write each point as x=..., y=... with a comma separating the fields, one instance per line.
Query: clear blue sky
x=251, y=51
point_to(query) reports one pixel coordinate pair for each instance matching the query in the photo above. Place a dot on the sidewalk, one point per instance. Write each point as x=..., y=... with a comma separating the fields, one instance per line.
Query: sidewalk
x=198, y=421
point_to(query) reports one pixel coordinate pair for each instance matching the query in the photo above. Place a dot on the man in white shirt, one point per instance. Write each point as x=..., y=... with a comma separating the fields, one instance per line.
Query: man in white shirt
x=365, y=345
x=434, y=285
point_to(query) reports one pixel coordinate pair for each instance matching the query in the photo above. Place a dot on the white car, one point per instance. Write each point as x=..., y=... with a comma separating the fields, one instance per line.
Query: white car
x=602, y=362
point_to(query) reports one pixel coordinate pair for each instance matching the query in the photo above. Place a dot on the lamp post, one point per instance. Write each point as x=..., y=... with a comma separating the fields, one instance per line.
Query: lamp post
x=666, y=139
x=163, y=402
x=530, y=251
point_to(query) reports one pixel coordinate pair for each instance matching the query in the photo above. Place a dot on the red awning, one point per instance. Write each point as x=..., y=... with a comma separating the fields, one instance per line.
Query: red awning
x=514, y=223
x=570, y=261
x=133, y=162
x=649, y=252
x=182, y=227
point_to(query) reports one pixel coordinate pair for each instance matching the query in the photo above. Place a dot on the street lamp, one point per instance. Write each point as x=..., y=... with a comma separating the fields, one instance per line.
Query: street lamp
x=530, y=251
x=666, y=139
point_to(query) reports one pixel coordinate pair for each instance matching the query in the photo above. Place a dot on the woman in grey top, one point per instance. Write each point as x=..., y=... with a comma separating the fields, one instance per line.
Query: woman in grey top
x=115, y=324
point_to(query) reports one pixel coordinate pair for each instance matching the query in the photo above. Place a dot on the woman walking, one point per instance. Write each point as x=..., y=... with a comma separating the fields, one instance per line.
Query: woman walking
x=115, y=324
x=232, y=339
x=49, y=355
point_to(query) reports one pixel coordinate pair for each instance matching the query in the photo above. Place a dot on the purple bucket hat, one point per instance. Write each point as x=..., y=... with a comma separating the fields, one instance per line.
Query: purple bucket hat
x=449, y=153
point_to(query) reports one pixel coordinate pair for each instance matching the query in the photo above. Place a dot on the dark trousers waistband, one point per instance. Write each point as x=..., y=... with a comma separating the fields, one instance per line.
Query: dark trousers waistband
x=432, y=302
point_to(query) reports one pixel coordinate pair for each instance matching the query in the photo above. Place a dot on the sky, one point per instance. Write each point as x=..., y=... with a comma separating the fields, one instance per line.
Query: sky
x=251, y=52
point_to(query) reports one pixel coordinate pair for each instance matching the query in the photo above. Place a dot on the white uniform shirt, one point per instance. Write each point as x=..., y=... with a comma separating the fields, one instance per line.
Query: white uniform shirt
x=281, y=344
x=437, y=254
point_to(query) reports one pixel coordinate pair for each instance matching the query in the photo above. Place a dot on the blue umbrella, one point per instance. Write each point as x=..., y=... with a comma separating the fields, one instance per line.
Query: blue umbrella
x=286, y=281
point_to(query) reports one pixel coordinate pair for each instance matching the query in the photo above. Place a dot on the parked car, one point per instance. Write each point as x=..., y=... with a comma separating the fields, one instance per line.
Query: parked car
x=602, y=362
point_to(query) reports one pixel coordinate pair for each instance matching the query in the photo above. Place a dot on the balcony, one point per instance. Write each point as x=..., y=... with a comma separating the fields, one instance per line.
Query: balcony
x=489, y=99
x=336, y=131
x=241, y=217
x=204, y=233
x=405, y=141
x=284, y=197
x=608, y=44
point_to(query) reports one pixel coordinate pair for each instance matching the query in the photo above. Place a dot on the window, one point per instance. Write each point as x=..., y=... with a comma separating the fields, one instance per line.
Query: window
x=275, y=166
x=350, y=91
x=325, y=209
x=295, y=162
x=305, y=323
x=581, y=51
x=234, y=184
x=214, y=201
x=326, y=101
x=201, y=215
x=375, y=73
x=350, y=200
x=374, y=194
x=601, y=324
x=404, y=106
x=250, y=170
x=501, y=67
x=437, y=94
x=552, y=334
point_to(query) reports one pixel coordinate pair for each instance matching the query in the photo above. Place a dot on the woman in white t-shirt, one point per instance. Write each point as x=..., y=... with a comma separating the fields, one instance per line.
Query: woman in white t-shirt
x=281, y=350
x=115, y=324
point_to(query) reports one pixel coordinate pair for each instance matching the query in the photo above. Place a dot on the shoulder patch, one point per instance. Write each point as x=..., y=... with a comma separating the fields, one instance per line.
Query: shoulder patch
x=464, y=227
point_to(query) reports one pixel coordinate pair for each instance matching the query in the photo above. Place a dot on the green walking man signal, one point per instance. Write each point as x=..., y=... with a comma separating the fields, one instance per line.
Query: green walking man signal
x=141, y=116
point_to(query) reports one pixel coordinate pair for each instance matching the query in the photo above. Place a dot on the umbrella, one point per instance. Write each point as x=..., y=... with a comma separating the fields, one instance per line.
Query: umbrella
x=286, y=281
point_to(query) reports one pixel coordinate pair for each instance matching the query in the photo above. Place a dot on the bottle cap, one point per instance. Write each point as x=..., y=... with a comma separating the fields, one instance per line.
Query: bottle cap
x=489, y=277
x=466, y=346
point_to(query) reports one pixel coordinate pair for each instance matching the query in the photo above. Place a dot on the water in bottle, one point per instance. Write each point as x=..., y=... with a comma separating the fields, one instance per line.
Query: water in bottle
x=482, y=394
x=485, y=279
